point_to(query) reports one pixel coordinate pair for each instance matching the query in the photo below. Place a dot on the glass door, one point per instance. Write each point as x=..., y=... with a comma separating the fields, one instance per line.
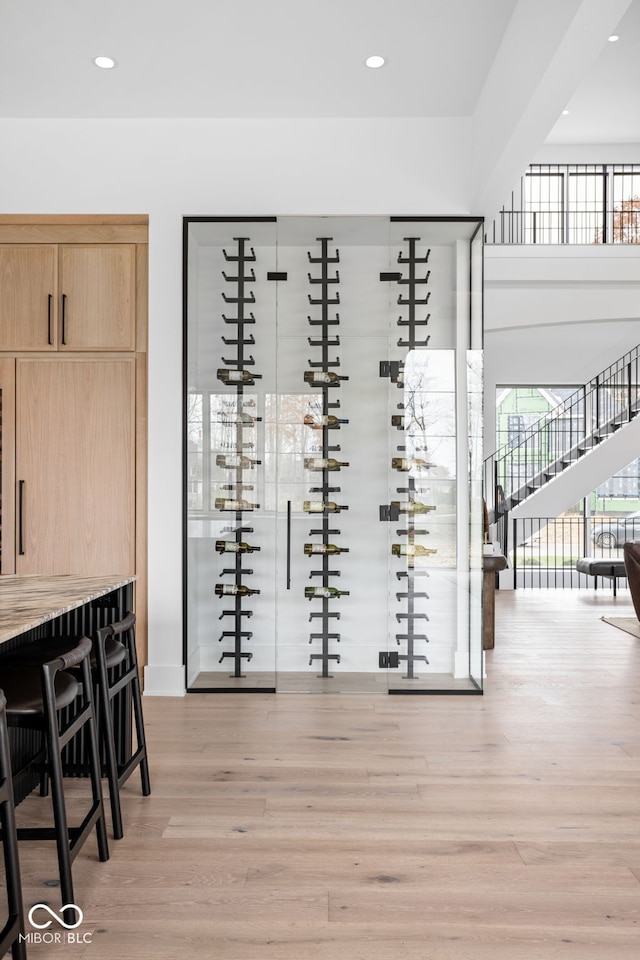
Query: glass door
x=333, y=455
x=434, y=496
x=230, y=510
x=332, y=327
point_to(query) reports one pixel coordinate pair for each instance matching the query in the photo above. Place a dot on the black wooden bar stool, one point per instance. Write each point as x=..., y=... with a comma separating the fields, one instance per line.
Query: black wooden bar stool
x=10, y=933
x=115, y=668
x=54, y=696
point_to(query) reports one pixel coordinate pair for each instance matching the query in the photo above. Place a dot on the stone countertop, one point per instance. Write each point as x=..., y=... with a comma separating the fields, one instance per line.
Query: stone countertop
x=27, y=602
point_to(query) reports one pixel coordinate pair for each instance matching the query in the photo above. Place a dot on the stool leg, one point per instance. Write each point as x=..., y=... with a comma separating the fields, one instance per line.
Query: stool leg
x=105, y=725
x=12, y=873
x=57, y=794
x=142, y=742
x=137, y=711
x=10, y=850
x=94, y=765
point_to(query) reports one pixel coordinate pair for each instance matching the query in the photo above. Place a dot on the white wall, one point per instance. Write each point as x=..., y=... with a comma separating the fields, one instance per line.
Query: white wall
x=556, y=315
x=187, y=167
x=587, y=153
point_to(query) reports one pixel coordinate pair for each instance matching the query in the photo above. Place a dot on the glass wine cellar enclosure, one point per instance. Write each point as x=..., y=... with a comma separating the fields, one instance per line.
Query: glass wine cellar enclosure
x=333, y=454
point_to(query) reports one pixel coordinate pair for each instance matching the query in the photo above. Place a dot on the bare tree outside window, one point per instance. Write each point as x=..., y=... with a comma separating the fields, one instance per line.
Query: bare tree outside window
x=626, y=222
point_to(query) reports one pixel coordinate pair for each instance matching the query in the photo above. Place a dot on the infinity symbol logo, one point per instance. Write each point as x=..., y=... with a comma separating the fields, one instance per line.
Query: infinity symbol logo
x=47, y=923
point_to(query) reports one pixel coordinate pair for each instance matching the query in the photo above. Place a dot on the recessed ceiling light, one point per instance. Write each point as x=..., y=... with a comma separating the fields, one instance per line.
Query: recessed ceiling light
x=565, y=112
x=374, y=62
x=613, y=38
x=105, y=63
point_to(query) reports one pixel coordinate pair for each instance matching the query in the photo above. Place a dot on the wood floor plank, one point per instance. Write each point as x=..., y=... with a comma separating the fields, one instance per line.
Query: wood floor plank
x=215, y=940
x=613, y=906
x=588, y=852
x=439, y=866
x=198, y=903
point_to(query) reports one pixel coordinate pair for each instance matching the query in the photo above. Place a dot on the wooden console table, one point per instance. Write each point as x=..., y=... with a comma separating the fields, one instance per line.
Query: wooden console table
x=492, y=564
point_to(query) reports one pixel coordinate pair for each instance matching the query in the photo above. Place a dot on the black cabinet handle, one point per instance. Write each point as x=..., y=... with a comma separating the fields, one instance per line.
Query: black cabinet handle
x=64, y=319
x=49, y=302
x=288, y=544
x=20, y=517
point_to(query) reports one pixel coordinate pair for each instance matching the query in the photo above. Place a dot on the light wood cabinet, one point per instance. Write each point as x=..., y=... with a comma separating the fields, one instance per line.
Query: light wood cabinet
x=73, y=397
x=75, y=467
x=97, y=297
x=28, y=296
x=69, y=297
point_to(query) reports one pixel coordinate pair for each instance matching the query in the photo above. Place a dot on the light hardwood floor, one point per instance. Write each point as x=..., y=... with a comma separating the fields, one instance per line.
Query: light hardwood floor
x=369, y=827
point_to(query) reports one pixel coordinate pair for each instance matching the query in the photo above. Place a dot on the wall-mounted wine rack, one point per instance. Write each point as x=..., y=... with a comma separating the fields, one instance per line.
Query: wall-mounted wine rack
x=320, y=375
x=237, y=372
x=411, y=617
x=328, y=619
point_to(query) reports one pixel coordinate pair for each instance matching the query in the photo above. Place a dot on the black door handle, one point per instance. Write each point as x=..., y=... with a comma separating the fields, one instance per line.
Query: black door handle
x=288, y=544
x=49, y=302
x=20, y=517
x=64, y=319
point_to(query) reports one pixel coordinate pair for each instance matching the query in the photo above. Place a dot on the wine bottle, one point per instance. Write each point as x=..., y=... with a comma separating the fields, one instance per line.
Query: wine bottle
x=236, y=505
x=234, y=590
x=237, y=460
x=237, y=376
x=231, y=546
x=312, y=548
x=318, y=463
x=322, y=420
x=410, y=506
x=325, y=376
x=411, y=550
x=237, y=417
x=311, y=592
x=407, y=463
x=321, y=506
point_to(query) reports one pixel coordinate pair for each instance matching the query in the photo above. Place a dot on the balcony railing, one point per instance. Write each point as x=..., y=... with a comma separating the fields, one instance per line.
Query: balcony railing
x=579, y=204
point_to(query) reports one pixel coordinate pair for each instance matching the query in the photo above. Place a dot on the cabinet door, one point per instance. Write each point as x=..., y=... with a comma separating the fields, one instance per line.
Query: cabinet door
x=97, y=285
x=28, y=296
x=75, y=467
x=7, y=463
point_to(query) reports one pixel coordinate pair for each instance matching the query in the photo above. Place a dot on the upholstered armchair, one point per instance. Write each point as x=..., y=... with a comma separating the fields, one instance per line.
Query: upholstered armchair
x=632, y=566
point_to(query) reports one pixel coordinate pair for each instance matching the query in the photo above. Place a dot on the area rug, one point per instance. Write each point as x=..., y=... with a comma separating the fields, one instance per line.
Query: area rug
x=628, y=624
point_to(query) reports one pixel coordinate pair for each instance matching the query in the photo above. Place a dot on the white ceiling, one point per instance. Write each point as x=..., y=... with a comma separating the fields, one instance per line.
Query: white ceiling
x=605, y=108
x=246, y=58
x=287, y=58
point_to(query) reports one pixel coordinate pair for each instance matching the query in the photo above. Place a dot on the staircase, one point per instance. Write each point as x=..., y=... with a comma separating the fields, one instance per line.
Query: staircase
x=569, y=432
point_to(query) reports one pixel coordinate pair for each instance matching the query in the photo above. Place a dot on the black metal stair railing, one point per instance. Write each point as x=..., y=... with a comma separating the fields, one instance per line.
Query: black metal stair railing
x=562, y=436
